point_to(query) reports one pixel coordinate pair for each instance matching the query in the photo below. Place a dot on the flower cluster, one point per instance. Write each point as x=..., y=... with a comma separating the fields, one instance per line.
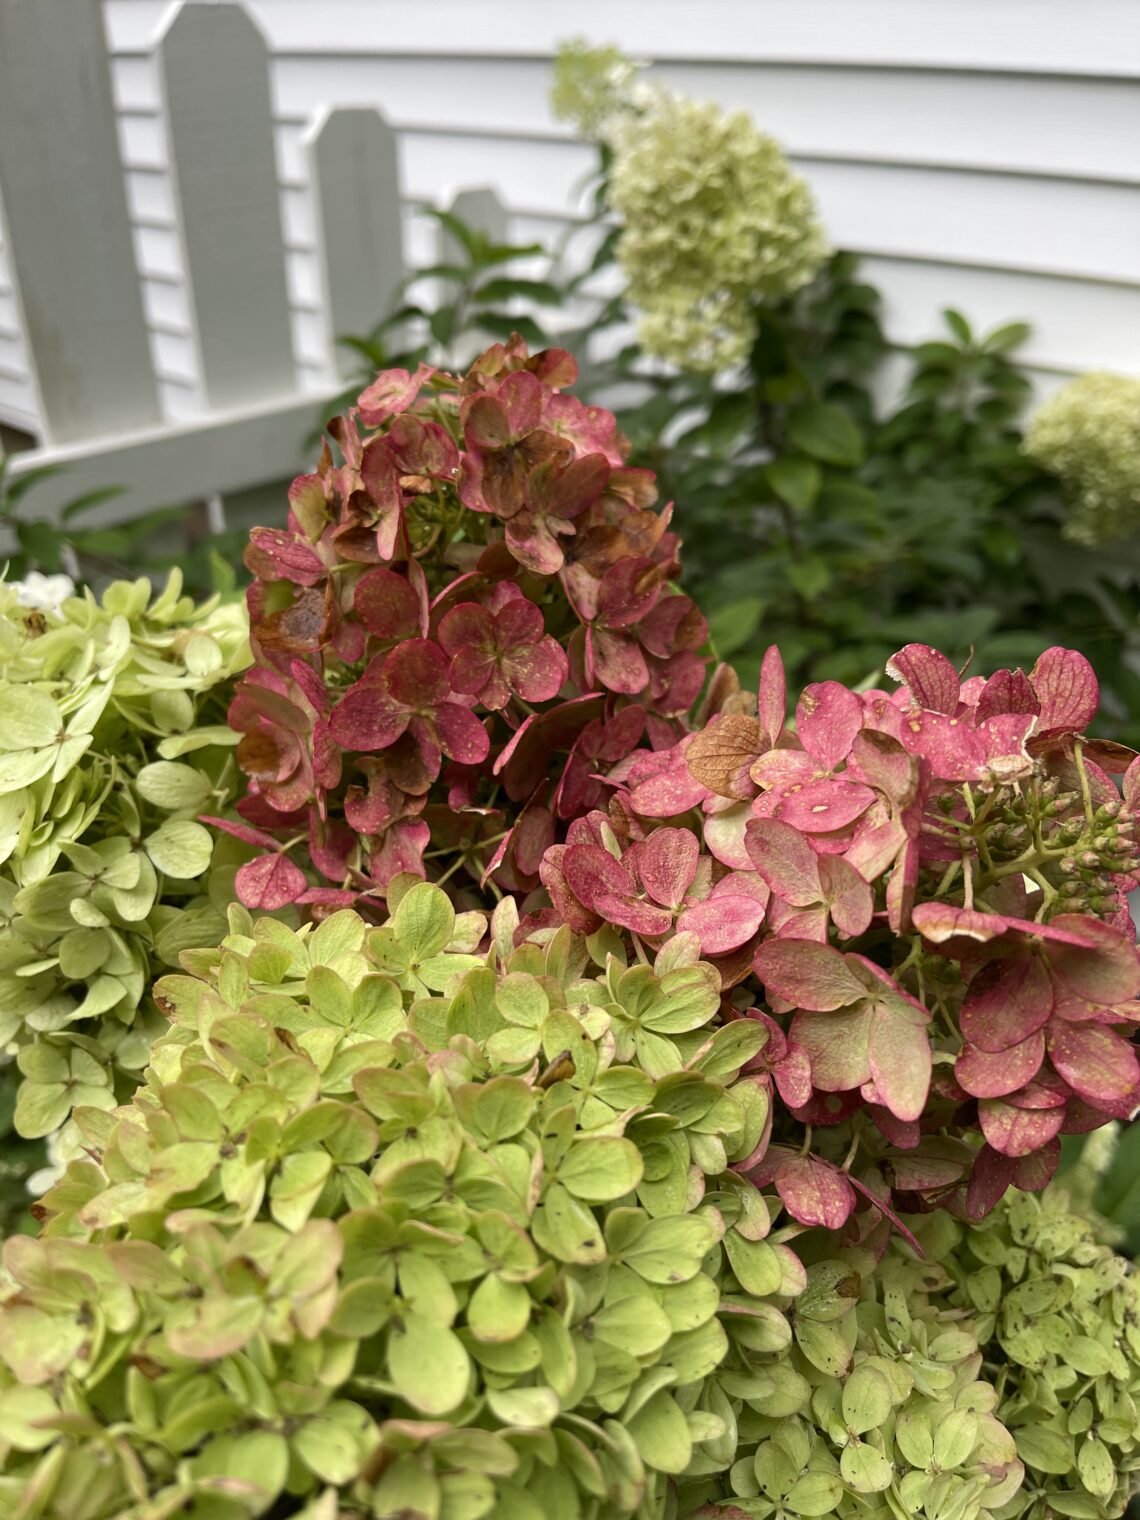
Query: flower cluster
x=463, y=620
x=897, y=877
x=1058, y=1318
x=592, y=85
x=712, y=221
x=1088, y=434
x=401, y=1221
x=112, y=740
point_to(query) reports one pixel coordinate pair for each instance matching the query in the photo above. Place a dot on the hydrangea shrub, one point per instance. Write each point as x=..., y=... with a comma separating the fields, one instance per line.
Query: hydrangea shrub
x=397, y=1228
x=112, y=739
x=402, y=1228
x=462, y=621
x=1088, y=435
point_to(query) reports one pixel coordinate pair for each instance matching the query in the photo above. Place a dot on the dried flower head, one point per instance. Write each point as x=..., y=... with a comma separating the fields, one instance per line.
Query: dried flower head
x=1088, y=435
x=460, y=622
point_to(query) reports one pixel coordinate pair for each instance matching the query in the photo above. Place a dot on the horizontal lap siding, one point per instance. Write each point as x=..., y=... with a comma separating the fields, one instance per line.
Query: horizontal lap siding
x=976, y=154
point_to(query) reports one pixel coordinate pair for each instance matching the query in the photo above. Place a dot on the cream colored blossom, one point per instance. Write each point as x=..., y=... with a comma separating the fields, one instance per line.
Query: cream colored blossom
x=591, y=85
x=713, y=222
x=1088, y=435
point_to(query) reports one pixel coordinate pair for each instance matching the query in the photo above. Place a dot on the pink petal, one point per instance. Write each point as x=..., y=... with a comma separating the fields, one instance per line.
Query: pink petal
x=772, y=701
x=581, y=920
x=461, y=736
x=617, y=660
x=827, y=719
x=275, y=554
x=785, y=860
x=929, y=675
x=837, y=1046
x=724, y=833
x=635, y=914
x=723, y=923
x=365, y=719
x=989, y=1074
x=537, y=671
x=519, y=622
x=990, y=1178
x=1065, y=684
x=1007, y=691
x=939, y=922
x=849, y=897
x=401, y=850
x=415, y=674
x=953, y=749
x=1008, y=1001
x=666, y=862
x=815, y=1192
x=591, y=871
x=900, y=1061
x=825, y=805
x=533, y=543
x=807, y=975
x=883, y=762
x=466, y=626
x=241, y=831
x=1018, y=1131
x=670, y=790
x=1095, y=1061
x=778, y=769
x=792, y=1077
x=269, y=882
x=1107, y=971
x=392, y=391
x=627, y=591
x=470, y=672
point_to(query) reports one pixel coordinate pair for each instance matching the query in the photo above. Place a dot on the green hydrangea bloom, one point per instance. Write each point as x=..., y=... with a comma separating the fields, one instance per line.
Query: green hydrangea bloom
x=591, y=85
x=1088, y=435
x=112, y=739
x=398, y=1228
x=1058, y=1314
x=713, y=222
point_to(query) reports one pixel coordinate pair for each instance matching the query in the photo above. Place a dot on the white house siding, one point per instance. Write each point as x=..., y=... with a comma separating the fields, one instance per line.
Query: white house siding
x=978, y=153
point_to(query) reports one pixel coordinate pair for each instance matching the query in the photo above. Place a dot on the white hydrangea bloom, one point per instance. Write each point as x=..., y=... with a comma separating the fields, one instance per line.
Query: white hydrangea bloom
x=1088, y=435
x=44, y=593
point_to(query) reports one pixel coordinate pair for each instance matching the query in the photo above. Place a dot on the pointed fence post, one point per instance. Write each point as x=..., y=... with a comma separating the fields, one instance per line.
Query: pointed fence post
x=68, y=231
x=480, y=209
x=214, y=69
x=356, y=185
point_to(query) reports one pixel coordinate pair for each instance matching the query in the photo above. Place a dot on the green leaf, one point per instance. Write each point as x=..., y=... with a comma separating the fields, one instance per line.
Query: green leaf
x=525, y=1407
x=498, y=1310
x=826, y=432
x=1002, y=340
x=504, y=288
x=1044, y=1449
x=755, y=1263
x=173, y=787
x=567, y=1229
x=1096, y=1467
x=955, y=1436
x=795, y=480
x=336, y=1443
x=661, y=1434
x=29, y=719
x=180, y=849
x=958, y=325
x=866, y=1400
x=814, y=1494
x=424, y=921
x=865, y=1468
x=428, y=1364
x=670, y=1250
x=601, y=1169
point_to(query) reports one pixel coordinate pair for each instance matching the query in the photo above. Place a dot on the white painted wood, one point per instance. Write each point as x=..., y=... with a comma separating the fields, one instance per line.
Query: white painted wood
x=61, y=178
x=1028, y=124
x=1099, y=37
x=352, y=163
x=215, y=82
x=229, y=451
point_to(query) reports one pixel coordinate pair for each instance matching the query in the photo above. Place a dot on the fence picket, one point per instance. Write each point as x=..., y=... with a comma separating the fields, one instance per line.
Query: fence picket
x=356, y=184
x=214, y=74
x=68, y=231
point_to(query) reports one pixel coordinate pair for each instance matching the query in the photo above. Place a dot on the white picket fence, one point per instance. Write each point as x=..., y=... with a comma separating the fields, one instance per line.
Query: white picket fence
x=75, y=301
